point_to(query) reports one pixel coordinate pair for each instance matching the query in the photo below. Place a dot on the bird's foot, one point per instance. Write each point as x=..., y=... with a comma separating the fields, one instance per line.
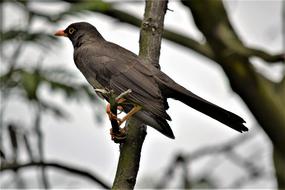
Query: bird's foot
x=118, y=136
x=114, y=116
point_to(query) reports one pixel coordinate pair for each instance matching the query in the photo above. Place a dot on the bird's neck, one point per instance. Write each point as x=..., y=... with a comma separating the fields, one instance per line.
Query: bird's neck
x=86, y=38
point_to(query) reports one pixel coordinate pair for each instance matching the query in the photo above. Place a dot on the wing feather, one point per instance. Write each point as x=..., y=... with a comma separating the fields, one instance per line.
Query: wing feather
x=145, y=90
x=121, y=72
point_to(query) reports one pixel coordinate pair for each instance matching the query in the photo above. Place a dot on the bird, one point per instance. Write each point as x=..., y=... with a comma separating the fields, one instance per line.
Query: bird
x=107, y=65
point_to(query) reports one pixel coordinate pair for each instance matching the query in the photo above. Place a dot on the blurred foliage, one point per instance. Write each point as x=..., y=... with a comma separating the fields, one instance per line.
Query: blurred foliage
x=29, y=81
x=25, y=36
x=25, y=82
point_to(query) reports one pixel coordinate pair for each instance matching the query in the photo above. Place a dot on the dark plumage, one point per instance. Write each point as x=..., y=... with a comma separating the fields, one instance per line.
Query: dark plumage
x=107, y=65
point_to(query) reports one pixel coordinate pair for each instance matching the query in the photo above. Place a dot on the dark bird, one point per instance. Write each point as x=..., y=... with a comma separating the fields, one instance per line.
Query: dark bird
x=106, y=65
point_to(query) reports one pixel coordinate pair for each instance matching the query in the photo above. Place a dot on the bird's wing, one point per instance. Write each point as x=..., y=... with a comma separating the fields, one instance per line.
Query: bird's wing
x=124, y=72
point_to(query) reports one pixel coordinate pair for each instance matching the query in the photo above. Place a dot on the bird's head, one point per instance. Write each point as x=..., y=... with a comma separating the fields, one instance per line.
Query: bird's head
x=79, y=32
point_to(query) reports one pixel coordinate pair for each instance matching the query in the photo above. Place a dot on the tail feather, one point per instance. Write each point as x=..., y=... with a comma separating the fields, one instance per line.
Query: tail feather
x=226, y=117
x=164, y=128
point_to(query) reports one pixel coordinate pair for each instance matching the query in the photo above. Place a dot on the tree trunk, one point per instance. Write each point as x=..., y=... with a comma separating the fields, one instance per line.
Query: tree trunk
x=150, y=40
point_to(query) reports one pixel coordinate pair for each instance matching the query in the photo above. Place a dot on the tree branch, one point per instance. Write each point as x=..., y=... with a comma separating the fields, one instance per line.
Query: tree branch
x=40, y=145
x=259, y=95
x=204, y=49
x=57, y=165
x=226, y=148
x=269, y=58
x=150, y=40
x=110, y=10
x=281, y=88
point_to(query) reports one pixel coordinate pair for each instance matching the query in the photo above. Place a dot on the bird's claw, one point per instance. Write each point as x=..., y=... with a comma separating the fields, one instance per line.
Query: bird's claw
x=120, y=136
x=113, y=116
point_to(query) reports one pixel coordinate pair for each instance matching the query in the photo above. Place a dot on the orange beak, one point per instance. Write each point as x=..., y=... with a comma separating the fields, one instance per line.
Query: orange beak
x=60, y=33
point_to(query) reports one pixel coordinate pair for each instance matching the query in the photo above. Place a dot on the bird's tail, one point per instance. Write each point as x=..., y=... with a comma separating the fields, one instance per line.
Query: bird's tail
x=226, y=117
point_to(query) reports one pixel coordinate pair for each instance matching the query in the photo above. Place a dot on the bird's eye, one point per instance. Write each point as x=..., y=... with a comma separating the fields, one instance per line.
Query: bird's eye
x=71, y=30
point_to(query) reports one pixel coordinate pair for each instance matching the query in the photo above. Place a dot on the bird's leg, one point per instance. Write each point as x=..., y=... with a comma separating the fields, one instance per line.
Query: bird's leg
x=114, y=116
x=118, y=134
x=135, y=109
x=115, y=104
x=120, y=99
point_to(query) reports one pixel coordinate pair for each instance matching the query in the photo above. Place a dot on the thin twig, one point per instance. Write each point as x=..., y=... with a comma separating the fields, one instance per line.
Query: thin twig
x=57, y=165
x=201, y=152
x=40, y=146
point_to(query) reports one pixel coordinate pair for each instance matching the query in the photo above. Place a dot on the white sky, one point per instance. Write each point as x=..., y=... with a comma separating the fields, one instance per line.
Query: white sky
x=87, y=144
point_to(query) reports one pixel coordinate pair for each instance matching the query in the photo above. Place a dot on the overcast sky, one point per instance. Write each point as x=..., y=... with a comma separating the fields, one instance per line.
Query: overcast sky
x=86, y=143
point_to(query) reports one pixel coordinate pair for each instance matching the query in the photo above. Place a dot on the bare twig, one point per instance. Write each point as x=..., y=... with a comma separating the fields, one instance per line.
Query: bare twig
x=28, y=146
x=57, y=165
x=199, y=153
x=270, y=58
x=40, y=146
